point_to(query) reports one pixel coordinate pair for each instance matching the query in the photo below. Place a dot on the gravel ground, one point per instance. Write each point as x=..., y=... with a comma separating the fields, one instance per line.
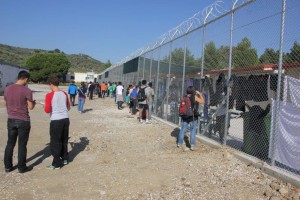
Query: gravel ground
x=114, y=157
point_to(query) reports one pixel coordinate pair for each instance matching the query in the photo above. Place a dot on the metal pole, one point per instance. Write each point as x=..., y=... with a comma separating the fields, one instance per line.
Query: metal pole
x=276, y=117
x=151, y=66
x=156, y=83
x=202, y=70
x=169, y=80
x=144, y=67
x=184, y=65
x=139, y=65
x=228, y=80
x=183, y=73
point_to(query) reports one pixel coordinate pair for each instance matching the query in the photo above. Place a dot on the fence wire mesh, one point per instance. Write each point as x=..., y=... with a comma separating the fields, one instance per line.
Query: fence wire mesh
x=247, y=65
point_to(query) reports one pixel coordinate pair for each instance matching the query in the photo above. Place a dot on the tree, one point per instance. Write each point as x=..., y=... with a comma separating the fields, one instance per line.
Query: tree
x=294, y=55
x=211, y=56
x=107, y=64
x=43, y=65
x=244, y=55
x=224, y=57
x=178, y=57
x=270, y=56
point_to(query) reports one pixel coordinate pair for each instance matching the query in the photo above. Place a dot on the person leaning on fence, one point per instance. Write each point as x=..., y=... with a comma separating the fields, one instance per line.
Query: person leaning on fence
x=196, y=98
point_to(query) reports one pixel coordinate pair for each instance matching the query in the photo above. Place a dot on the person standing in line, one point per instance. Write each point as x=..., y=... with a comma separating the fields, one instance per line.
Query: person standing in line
x=91, y=90
x=103, y=89
x=133, y=99
x=142, y=99
x=18, y=100
x=72, y=91
x=196, y=99
x=150, y=97
x=81, y=97
x=58, y=105
x=119, y=95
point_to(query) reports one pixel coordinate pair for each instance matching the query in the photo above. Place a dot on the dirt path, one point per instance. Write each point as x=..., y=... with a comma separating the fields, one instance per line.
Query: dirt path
x=114, y=157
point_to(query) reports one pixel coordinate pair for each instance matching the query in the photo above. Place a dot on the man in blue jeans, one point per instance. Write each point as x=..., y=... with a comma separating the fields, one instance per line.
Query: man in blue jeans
x=195, y=98
x=18, y=99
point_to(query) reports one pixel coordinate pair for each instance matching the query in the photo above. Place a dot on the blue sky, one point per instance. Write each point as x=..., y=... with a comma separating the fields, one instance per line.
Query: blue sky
x=102, y=29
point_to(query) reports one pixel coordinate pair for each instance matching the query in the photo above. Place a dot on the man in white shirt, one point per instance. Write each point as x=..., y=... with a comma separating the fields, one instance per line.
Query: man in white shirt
x=119, y=94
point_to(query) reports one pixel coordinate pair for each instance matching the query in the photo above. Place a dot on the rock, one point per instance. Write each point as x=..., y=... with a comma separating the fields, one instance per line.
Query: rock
x=268, y=193
x=284, y=191
x=275, y=186
x=102, y=193
x=187, y=184
x=295, y=196
x=275, y=198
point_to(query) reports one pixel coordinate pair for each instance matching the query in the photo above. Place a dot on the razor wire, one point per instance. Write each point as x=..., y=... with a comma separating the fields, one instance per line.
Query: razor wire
x=210, y=13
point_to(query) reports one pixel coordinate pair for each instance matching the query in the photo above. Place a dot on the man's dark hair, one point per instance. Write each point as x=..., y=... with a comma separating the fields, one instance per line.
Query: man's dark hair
x=53, y=80
x=150, y=84
x=190, y=90
x=23, y=74
x=144, y=82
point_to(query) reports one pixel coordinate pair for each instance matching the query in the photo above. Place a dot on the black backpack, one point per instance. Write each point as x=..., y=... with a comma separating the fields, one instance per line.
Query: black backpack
x=142, y=95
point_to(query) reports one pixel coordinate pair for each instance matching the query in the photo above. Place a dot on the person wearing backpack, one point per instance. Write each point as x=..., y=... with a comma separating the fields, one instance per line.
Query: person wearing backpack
x=143, y=102
x=133, y=99
x=188, y=111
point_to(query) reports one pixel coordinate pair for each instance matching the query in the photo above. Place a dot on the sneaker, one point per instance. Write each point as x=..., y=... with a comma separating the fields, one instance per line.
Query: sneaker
x=148, y=122
x=193, y=149
x=8, y=169
x=52, y=167
x=141, y=122
x=65, y=162
x=25, y=169
x=178, y=145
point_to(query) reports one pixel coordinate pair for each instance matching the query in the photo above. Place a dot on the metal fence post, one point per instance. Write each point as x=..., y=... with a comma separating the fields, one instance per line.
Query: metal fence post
x=276, y=116
x=156, y=83
x=229, y=77
x=169, y=80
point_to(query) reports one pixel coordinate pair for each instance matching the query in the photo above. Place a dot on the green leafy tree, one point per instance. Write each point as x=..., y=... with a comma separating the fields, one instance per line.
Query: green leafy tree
x=107, y=64
x=43, y=65
x=224, y=57
x=178, y=57
x=244, y=55
x=212, y=56
x=294, y=55
x=270, y=56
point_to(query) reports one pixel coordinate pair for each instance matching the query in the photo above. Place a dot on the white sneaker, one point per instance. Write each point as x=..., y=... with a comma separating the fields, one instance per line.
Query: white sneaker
x=141, y=121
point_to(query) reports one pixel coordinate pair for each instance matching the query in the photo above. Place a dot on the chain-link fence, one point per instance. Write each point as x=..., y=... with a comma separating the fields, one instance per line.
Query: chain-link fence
x=246, y=62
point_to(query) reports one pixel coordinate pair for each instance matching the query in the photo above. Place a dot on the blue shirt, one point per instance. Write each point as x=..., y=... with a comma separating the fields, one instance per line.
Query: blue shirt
x=72, y=89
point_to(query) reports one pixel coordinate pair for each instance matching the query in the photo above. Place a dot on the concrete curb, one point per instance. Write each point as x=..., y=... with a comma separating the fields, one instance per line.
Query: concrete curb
x=249, y=160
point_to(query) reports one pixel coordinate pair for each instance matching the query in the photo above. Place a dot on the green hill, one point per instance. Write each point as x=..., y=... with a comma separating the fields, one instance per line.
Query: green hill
x=80, y=62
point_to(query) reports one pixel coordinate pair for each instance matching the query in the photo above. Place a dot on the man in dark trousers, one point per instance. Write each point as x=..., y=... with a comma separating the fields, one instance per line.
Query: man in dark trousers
x=91, y=90
x=18, y=99
x=72, y=91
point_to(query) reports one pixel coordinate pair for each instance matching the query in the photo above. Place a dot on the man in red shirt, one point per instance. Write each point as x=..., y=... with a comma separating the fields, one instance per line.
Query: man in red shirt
x=58, y=105
x=18, y=100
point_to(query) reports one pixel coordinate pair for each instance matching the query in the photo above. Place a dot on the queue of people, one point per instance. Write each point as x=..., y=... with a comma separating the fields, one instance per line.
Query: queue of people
x=19, y=99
